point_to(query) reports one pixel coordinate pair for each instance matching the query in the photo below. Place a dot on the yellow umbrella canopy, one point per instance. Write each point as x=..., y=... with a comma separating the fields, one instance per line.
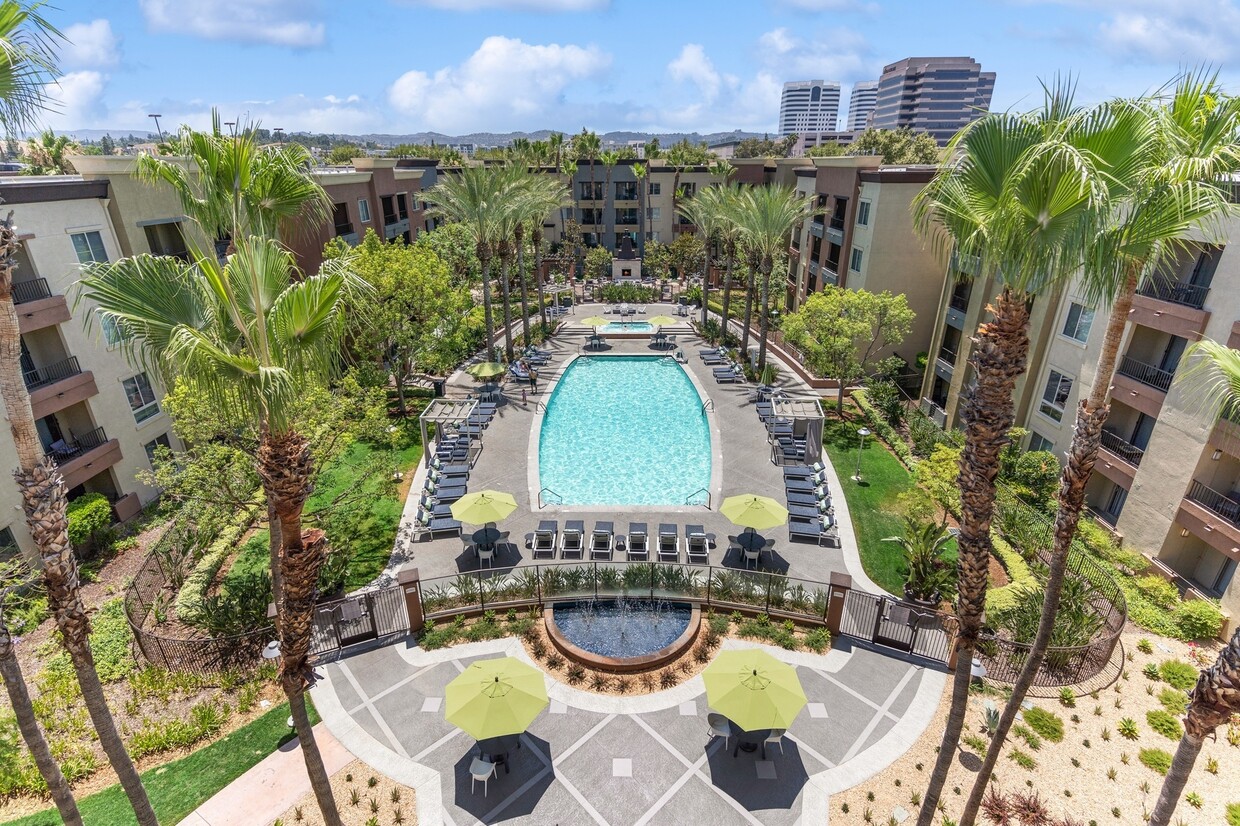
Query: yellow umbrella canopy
x=492, y=698
x=750, y=510
x=483, y=507
x=485, y=369
x=662, y=320
x=753, y=689
x=594, y=321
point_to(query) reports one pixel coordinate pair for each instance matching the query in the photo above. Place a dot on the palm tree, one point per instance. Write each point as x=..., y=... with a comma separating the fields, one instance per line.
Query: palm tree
x=609, y=158
x=570, y=173
x=48, y=154
x=1215, y=368
x=1161, y=164
x=768, y=216
x=1015, y=200
x=751, y=278
x=705, y=209
x=542, y=196
x=729, y=238
x=640, y=170
x=248, y=336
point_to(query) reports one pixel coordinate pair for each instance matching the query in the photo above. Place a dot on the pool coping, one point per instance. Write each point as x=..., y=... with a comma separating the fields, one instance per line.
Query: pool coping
x=540, y=413
x=623, y=665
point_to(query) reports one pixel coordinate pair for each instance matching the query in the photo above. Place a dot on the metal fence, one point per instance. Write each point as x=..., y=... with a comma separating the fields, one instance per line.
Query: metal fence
x=371, y=615
x=886, y=621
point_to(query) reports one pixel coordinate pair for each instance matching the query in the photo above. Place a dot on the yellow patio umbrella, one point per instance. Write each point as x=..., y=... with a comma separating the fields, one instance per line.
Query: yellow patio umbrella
x=662, y=320
x=494, y=698
x=753, y=689
x=485, y=369
x=749, y=510
x=483, y=507
x=594, y=321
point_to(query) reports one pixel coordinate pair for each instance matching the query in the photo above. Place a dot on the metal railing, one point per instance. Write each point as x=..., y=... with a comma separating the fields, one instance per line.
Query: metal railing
x=1212, y=500
x=76, y=447
x=948, y=355
x=836, y=223
x=54, y=372
x=1147, y=374
x=959, y=302
x=1122, y=448
x=689, y=500
x=542, y=503
x=1190, y=295
x=33, y=290
x=709, y=404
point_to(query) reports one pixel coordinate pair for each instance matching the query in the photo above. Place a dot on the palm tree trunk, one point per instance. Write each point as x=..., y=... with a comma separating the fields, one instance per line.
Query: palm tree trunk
x=727, y=294
x=32, y=732
x=504, y=274
x=538, y=281
x=525, y=296
x=285, y=467
x=749, y=287
x=1082, y=454
x=999, y=354
x=706, y=288
x=488, y=316
x=273, y=550
x=764, y=322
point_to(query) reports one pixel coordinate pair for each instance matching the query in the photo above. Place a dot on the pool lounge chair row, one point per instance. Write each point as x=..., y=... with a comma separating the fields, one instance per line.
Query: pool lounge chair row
x=603, y=543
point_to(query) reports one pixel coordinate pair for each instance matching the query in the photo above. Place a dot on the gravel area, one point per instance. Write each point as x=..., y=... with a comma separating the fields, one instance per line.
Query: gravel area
x=387, y=802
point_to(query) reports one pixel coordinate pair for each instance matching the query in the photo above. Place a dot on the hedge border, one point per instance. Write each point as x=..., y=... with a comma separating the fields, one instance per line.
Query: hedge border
x=191, y=599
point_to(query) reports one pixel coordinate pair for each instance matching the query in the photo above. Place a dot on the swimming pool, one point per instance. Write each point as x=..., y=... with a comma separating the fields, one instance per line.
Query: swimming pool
x=627, y=327
x=624, y=430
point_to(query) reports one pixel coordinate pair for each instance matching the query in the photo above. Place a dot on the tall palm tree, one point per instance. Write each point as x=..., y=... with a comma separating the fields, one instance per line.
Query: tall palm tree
x=609, y=158
x=705, y=209
x=1015, y=199
x=751, y=279
x=569, y=169
x=248, y=336
x=1160, y=165
x=542, y=196
x=729, y=238
x=1216, y=696
x=510, y=183
x=48, y=154
x=768, y=216
x=640, y=170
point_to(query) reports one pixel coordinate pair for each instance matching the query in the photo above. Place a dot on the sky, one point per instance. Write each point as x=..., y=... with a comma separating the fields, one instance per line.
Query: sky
x=460, y=66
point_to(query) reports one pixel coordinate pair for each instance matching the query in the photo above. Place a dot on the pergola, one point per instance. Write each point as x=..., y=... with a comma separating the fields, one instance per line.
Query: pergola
x=444, y=413
x=556, y=290
x=806, y=417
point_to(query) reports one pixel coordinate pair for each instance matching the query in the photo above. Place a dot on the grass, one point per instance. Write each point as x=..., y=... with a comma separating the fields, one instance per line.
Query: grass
x=179, y=787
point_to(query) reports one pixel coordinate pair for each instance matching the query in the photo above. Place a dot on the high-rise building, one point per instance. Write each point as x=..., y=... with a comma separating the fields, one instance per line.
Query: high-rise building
x=809, y=106
x=861, y=104
x=936, y=95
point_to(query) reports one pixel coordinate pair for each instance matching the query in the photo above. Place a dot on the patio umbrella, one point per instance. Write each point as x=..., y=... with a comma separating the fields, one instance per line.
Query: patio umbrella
x=662, y=320
x=483, y=507
x=753, y=689
x=594, y=321
x=485, y=369
x=493, y=698
x=752, y=511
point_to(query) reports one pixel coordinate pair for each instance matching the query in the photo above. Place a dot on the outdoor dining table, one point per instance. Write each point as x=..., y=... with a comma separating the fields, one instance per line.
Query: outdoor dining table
x=749, y=741
x=497, y=748
x=751, y=540
x=486, y=537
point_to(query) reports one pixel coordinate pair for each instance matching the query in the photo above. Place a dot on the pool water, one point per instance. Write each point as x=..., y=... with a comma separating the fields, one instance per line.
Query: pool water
x=627, y=327
x=622, y=627
x=624, y=430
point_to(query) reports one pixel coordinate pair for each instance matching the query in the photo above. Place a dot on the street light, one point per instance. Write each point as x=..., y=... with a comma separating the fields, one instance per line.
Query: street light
x=157, y=126
x=279, y=134
x=977, y=671
x=863, y=432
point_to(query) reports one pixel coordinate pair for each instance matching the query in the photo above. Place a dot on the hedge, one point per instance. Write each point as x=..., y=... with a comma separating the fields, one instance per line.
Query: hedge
x=884, y=430
x=998, y=599
x=191, y=598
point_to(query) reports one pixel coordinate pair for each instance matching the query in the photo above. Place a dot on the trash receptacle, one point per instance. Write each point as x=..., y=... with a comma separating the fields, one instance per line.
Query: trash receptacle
x=441, y=387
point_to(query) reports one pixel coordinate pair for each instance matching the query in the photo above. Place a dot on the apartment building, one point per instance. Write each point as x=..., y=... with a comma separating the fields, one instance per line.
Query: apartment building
x=101, y=418
x=1167, y=480
x=936, y=95
x=860, y=104
x=861, y=236
x=809, y=106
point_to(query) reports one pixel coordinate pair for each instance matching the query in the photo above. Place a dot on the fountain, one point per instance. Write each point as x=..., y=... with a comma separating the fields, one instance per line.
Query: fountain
x=622, y=634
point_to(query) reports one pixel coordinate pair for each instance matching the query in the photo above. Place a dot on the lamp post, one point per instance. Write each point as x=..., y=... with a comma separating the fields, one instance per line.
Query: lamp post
x=863, y=432
x=157, y=126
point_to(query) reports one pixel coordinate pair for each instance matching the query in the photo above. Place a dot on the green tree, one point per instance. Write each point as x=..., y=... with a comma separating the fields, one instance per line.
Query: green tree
x=765, y=147
x=107, y=146
x=342, y=155
x=830, y=149
x=598, y=263
x=455, y=247
x=842, y=331
x=49, y=153
x=446, y=155
x=896, y=146
x=687, y=254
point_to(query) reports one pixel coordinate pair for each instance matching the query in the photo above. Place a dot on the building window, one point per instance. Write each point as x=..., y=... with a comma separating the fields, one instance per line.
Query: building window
x=402, y=206
x=89, y=247
x=1055, y=395
x=1039, y=442
x=363, y=210
x=863, y=213
x=141, y=397
x=854, y=262
x=111, y=332
x=1079, y=320
x=8, y=545
x=654, y=213
x=656, y=188
x=155, y=444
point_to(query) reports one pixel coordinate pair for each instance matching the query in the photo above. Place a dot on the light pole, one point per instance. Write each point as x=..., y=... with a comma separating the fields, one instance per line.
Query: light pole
x=279, y=134
x=157, y=126
x=863, y=432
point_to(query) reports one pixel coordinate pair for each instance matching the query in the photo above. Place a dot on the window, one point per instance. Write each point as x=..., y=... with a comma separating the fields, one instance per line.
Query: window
x=863, y=213
x=141, y=397
x=402, y=205
x=854, y=263
x=155, y=444
x=1079, y=320
x=363, y=210
x=654, y=213
x=1055, y=395
x=8, y=545
x=111, y=332
x=656, y=188
x=1039, y=442
x=89, y=247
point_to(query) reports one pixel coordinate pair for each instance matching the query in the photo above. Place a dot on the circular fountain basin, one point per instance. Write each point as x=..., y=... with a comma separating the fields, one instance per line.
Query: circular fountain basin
x=622, y=635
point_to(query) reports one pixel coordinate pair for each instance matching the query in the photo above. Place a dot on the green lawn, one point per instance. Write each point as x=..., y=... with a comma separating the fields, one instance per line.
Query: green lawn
x=179, y=787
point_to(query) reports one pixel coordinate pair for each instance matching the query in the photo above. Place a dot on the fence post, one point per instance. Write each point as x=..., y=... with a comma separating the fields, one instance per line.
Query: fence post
x=538, y=584
x=840, y=585
x=710, y=582
x=482, y=595
x=411, y=586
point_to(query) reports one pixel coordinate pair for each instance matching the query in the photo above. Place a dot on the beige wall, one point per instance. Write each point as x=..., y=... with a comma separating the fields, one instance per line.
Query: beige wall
x=132, y=203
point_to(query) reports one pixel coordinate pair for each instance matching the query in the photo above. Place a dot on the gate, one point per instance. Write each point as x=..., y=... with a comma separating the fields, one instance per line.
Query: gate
x=893, y=624
x=367, y=616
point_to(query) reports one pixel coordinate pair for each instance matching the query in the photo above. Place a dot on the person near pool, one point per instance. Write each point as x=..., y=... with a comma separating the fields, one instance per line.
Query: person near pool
x=533, y=380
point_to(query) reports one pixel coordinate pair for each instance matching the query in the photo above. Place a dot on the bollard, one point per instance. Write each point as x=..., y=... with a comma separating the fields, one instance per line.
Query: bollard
x=408, y=580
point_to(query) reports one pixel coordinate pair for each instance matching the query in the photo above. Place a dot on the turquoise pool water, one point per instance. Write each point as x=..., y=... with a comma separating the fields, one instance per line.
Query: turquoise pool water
x=624, y=430
x=627, y=327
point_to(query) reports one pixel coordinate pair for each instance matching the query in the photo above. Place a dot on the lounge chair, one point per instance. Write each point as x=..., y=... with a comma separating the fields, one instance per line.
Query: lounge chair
x=804, y=485
x=807, y=511
x=456, y=477
x=602, y=540
x=809, y=500
x=729, y=377
x=669, y=542
x=424, y=524
x=445, y=495
x=812, y=528
x=572, y=540
x=545, y=538
x=697, y=545
x=804, y=473
x=713, y=357
x=638, y=541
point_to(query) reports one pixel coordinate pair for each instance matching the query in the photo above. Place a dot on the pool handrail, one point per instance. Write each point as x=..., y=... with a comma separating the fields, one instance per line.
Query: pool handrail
x=689, y=498
x=542, y=504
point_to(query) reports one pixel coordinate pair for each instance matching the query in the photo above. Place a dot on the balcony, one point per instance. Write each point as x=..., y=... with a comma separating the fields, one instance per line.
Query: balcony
x=35, y=289
x=936, y=413
x=1118, y=460
x=1122, y=448
x=1171, y=307
x=37, y=306
x=57, y=386
x=835, y=231
x=85, y=456
x=957, y=307
x=1188, y=295
x=816, y=229
x=626, y=193
x=394, y=227
x=1147, y=374
x=54, y=372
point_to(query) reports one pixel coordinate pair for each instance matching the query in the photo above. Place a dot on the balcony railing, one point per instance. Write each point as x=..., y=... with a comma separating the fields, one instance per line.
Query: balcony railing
x=54, y=372
x=344, y=229
x=959, y=302
x=1122, y=448
x=815, y=228
x=35, y=289
x=1189, y=295
x=948, y=355
x=1212, y=500
x=837, y=223
x=62, y=450
x=1148, y=374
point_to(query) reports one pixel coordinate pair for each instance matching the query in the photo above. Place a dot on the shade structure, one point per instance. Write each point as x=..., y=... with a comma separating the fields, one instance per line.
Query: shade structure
x=594, y=321
x=753, y=689
x=749, y=510
x=485, y=369
x=662, y=320
x=483, y=506
x=493, y=698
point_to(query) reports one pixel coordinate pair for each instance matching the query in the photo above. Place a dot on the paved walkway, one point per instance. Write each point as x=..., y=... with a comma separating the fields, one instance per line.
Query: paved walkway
x=627, y=760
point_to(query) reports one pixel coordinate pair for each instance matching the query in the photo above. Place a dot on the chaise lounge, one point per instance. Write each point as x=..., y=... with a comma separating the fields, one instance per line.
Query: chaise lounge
x=572, y=541
x=545, y=538
x=638, y=541
x=602, y=540
x=669, y=543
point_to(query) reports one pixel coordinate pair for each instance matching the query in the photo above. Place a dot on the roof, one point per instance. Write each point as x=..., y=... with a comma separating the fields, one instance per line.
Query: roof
x=33, y=189
x=797, y=409
x=448, y=411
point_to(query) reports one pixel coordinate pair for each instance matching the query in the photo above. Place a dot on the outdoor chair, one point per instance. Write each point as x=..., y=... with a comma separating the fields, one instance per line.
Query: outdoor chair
x=807, y=527
x=638, y=544
x=808, y=500
x=697, y=545
x=602, y=540
x=486, y=554
x=669, y=543
x=720, y=726
x=572, y=541
x=545, y=538
x=482, y=770
x=775, y=738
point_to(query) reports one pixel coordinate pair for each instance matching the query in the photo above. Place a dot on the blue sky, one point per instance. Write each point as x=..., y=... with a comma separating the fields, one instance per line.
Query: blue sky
x=457, y=66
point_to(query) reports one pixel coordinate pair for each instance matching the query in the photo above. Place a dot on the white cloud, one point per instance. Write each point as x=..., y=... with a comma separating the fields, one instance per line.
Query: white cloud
x=694, y=66
x=829, y=5
x=75, y=100
x=514, y=5
x=1188, y=32
x=505, y=84
x=277, y=22
x=90, y=45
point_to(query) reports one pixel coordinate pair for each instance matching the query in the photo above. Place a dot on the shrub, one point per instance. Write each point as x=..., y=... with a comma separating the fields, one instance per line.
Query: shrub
x=718, y=623
x=1155, y=760
x=1175, y=702
x=625, y=293
x=885, y=397
x=1075, y=623
x=1128, y=728
x=1002, y=599
x=1164, y=724
x=1199, y=619
x=1151, y=671
x=1233, y=814
x=1023, y=760
x=976, y=743
x=883, y=428
x=1158, y=590
x=1145, y=646
x=1179, y=674
x=90, y=517
x=1048, y=724
x=1032, y=740
x=818, y=640
x=1067, y=697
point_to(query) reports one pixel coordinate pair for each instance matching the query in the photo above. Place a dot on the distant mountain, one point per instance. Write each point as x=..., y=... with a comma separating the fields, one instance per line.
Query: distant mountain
x=117, y=134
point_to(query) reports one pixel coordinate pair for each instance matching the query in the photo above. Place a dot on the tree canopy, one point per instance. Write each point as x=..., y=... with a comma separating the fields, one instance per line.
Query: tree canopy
x=765, y=147
x=893, y=145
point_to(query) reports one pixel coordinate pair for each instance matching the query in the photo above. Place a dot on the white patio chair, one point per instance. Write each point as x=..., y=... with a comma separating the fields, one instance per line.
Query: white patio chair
x=482, y=770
